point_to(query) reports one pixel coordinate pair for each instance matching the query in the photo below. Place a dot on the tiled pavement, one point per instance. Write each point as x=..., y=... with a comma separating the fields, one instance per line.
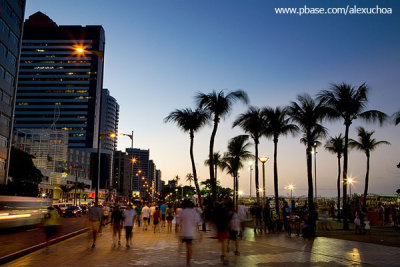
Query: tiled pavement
x=164, y=249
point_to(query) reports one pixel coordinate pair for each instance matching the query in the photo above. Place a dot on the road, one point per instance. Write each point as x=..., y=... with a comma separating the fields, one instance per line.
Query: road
x=15, y=240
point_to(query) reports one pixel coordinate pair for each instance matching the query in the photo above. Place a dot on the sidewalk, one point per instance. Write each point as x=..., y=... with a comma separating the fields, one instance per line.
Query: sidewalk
x=164, y=249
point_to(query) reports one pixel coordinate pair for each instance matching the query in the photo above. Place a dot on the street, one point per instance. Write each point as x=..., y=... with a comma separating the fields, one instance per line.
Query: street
x=14, y=240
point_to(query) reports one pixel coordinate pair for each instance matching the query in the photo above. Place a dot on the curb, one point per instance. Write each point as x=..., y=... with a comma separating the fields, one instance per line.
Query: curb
x=31, y=249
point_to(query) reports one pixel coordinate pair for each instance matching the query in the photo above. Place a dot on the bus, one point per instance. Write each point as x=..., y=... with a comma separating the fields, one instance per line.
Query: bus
x=22, y=211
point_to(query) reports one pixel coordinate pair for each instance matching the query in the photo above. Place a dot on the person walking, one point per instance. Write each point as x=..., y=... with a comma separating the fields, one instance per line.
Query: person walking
x=170, y=217
x=152, y=210
x=95, y=217
x=128, y=216
x=51, y=223
x=188, y=220
x=106, y=214
x=145, y=216
x=234, y=229
x=139, y=214
x=116, y=222
x=156, y=219
x=242, y=214
x=163, y=209
x=222, y=218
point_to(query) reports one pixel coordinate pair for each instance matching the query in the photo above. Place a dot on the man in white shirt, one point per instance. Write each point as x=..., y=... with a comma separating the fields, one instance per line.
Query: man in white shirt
x=152, y=210
x=242, y=214
x=188, y=220
x=128, y=216
x=145, y=216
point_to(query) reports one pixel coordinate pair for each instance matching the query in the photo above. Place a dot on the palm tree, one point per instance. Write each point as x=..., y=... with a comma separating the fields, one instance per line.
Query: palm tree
x=65, y=190
x=253, y=123
x=308, y=114
x=367, y=144
x=335, y=145
x=278, y=123
x=233, y=160
x=190, y=121
x=217, y=159
x=218, y=105
x=189, y=178
x=396, y=117
x=349, y=103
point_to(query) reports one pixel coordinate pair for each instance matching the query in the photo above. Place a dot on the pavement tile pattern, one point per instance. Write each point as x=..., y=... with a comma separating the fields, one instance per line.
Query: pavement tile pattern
x=165, y=249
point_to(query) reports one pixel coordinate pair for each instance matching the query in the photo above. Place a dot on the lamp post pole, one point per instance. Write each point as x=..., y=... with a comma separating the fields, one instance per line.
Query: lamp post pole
x=251, y=170
x=263, y=160
x=315, y=168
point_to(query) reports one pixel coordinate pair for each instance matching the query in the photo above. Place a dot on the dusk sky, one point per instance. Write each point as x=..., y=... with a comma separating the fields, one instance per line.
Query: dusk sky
x=159, y=54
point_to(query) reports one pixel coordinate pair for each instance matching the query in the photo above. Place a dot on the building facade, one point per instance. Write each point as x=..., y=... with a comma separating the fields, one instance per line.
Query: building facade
x=140, y=168
x=59, y=87
x=122, y=173
x=109, y=120
x=11, y=18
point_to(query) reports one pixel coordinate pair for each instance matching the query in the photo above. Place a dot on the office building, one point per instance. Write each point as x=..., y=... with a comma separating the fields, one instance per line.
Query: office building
x=109, y=120
x=158, y=185
x=140, y=168
x=11, y=18
x=122, y=173
x=59, y=87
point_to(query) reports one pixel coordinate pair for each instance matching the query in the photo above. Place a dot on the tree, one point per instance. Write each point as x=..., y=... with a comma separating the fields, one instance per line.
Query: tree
x=278, y=123
x=308, y=114
x=190, y=121
x=348, y=103
x=218, y=105
x=335, y=145
x=65, y=189
x=189, y=178
x=233, y=160
x=253, y=122
x=396, y=117
x=217, y=159
x=25, y=177
x=366, y=144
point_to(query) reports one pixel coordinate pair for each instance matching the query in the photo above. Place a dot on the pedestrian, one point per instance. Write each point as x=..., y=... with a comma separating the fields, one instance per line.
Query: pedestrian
x=256, y=213
x=116, y=222
x=51, y=223
x=222, y=219
x=267, y=217
x=95, y=217
x=234, y=229
x=242, y=213
x=177, y=213
x=189, y=220
x=106, y=213
x=163, y=209
x=139, y=214
x=170, y=217
x=152, y=210
x=286, y=215
x=156, y=219
x=145, y=216
x=128, y=216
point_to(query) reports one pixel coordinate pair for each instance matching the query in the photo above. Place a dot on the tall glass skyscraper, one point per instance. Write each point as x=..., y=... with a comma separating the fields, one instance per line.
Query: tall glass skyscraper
x=11, y=18
x=59, y=87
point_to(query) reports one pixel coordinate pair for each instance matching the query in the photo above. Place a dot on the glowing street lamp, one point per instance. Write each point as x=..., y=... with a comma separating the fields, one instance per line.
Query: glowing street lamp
x=350, y=181
x=291, y=187
x=263, y=160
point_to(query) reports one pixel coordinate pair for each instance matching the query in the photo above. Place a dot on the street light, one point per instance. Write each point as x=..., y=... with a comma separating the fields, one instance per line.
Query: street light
x=251, y=170
x=101, y=136
x=263, y=160
x=350, y=181
x=133, y=160
x=291, y=187
x=314, y=152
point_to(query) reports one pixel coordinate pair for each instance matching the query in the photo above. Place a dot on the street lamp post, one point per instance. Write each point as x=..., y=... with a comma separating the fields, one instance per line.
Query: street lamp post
x=291, y=187
x=263, y=160
x=350, y=182
x=133, y=160
x=314, y=152
x=251, y=170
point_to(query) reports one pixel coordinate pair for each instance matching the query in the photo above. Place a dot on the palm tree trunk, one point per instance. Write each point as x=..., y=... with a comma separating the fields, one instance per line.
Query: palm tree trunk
x=234, y=189
x=256, y=172
x=237, y=191
x=345, y=162
x=196, y=182
x=366, y=184
x=311, y=207
x=211, y=159
x=338, y=187
x=276, y=175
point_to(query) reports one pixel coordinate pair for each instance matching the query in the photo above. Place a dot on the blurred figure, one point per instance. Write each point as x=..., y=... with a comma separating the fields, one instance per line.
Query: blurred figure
x=177, y=213
x=128, y=216
x=222, y=219
x=156, y=219
x=189, y=219
x=106, y=213
x=95, y=217
x=242, y=214
x=234, y=229
x=139, y=214
x=286, y=215
x=116, y=221
x=170, y=217
x=51, y=223
x=163, y=209
x=256, y=213
x=152, y=210
x=267, y=217
x=145, y=216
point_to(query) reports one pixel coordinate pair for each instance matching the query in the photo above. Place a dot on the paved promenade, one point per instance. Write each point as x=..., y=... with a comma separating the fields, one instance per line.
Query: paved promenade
x=164, y=249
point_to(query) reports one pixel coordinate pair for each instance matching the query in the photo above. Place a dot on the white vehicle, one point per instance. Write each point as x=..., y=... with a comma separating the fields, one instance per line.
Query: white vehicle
x=22, y=211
